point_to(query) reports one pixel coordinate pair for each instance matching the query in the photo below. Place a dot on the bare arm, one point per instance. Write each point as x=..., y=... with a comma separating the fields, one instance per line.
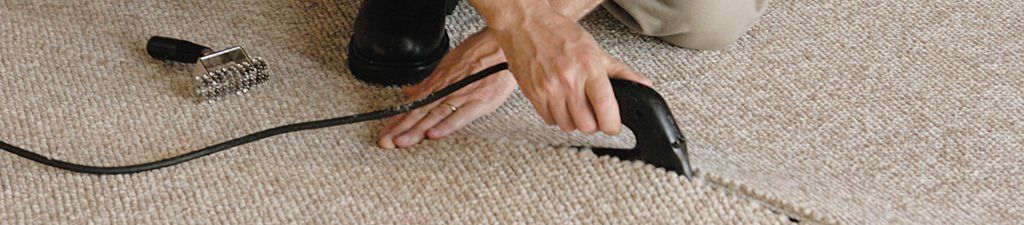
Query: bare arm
x=575, y=9
x=546, y=47
x=499, y=13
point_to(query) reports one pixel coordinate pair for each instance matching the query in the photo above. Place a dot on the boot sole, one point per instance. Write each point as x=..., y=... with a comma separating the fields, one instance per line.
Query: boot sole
x=391, y=74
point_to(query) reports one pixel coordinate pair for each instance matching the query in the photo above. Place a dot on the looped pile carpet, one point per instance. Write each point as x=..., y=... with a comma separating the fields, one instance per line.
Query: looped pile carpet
x=849, y=112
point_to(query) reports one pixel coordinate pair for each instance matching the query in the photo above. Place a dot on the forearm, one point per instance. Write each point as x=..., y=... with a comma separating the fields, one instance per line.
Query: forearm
x=504, y=13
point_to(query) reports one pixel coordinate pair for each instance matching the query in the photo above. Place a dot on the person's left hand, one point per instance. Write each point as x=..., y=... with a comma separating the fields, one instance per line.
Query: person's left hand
x=441, y=118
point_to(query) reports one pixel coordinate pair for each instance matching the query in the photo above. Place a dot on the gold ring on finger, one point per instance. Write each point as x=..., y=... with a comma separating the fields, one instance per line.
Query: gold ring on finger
x=450, y=106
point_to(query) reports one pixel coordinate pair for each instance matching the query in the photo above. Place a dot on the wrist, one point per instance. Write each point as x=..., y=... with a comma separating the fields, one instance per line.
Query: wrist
x=575, y=9
x=507, y=15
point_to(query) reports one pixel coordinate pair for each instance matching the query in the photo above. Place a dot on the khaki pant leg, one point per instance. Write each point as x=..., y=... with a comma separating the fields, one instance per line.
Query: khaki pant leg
x=696, y=24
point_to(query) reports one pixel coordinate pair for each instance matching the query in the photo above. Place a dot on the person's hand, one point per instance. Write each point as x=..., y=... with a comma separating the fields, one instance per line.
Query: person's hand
x=455, y=111
x=564, y=72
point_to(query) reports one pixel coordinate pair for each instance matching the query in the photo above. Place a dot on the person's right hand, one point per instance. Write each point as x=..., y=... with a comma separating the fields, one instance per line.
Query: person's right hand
x=564, y=72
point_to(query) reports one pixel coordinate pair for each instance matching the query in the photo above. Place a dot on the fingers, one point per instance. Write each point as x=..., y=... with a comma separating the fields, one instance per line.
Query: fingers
x=606, y=108
x=582, y=115
x=619, y=70
x=418, y=131
x=386, y=139
x=402, y=124
x=467, y=113
x=542, y=110
x=560, y=113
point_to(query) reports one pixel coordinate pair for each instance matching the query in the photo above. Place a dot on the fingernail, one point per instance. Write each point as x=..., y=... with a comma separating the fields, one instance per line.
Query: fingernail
x=405, y=140
x=385, y=143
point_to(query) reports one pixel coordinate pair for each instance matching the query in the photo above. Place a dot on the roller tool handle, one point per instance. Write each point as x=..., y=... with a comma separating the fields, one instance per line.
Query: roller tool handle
x=658, y=139
x=165, y=48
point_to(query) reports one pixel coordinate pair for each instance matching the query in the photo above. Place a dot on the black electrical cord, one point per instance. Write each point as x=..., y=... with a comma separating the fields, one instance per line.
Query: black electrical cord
x=375, y=115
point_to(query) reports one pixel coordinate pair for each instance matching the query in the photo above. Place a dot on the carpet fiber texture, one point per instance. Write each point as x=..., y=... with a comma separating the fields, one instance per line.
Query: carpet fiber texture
x=848, y=112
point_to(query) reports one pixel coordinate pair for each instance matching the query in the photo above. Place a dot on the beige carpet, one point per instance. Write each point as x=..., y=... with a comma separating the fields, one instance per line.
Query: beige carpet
x=828, y=111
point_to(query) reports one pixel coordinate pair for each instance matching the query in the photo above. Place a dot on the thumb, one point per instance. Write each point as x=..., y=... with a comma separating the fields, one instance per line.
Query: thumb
x=423, y=88
x=418, y=91
x=410, y=91
x=619, y=70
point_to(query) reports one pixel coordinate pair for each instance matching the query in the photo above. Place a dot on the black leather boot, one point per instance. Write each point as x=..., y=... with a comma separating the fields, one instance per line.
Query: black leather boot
x=398, y=42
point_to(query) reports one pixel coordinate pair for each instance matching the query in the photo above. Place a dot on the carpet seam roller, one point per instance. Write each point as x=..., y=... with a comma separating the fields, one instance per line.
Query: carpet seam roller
x=216, y=74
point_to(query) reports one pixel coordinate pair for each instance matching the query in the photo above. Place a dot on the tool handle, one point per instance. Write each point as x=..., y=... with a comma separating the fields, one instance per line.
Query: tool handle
x=165, y=48
x=658, y=139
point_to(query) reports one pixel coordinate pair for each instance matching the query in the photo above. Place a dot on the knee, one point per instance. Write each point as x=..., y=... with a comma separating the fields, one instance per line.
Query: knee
x=715, y=24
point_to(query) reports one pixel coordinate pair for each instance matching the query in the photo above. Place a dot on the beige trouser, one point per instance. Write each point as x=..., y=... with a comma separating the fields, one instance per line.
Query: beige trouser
x=696, y=24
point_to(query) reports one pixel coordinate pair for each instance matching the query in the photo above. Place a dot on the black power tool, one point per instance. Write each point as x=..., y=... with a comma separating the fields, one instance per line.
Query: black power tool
x=643, y=110
x=658, y=140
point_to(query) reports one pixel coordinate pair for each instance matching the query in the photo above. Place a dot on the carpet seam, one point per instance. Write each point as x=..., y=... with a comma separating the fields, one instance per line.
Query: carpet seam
x=780, y=208
x=717, y=182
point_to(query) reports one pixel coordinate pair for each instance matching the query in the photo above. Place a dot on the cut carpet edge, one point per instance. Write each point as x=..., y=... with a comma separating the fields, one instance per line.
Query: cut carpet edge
x=772, y=202
x=708, y=179
x=731, y=187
